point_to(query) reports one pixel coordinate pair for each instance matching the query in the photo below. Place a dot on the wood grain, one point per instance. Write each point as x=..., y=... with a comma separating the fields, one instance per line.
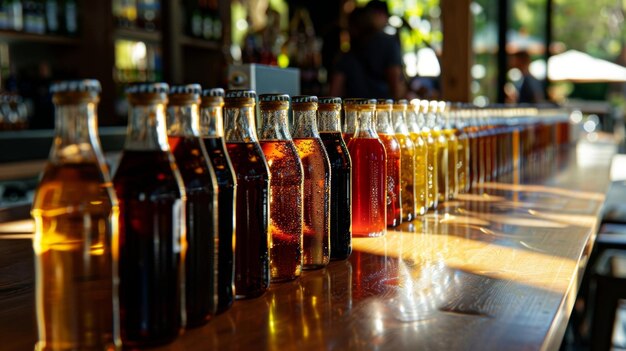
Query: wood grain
x=494, y=270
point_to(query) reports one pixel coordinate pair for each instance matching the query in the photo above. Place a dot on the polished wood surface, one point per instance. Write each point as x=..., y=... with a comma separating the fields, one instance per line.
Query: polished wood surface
x=497, y=269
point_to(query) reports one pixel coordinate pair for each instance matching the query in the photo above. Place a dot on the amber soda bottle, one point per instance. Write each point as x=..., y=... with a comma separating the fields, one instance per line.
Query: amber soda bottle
x=328, y=124
x=183, y=135
x=369, y=175
x=433, y=121
x=316, y=166
x=448, y=131
x=286, y=184
x=394, y=159
x=76, y=238
x=151, y=194
x=421, y=158
x=463, y=149
x=252, y=257
x=212, y=133
x=407, y=162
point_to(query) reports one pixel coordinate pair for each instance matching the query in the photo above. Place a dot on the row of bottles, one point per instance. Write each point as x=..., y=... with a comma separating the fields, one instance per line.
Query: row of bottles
x=199, y=211
x=143, y=14
x=203, y=19
x=39, y=16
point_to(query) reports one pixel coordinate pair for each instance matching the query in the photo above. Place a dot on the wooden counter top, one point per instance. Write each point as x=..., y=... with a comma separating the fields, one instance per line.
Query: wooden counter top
x=491, y=271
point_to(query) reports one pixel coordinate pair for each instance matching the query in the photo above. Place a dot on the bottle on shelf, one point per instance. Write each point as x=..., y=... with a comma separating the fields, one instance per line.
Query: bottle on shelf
x=408, y=171
x=76, y=231
x=286, y=184
x=212, y=132
x=328, y=124
x=394, y=159
x=183, y=135
x=316, y=166
x=432, y=160
x=252, y=264
x=152, y=200
x=421, y=158
x=369, y=174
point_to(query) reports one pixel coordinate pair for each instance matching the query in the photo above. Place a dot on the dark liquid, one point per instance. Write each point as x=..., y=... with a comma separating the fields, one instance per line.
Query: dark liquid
x=285, y=208
x=369, y=184
x=394, y=200
x=252, y=273
x=316, y=219
x=151, y=265
x=340, y=202
x=201, y=220
x=226, y=220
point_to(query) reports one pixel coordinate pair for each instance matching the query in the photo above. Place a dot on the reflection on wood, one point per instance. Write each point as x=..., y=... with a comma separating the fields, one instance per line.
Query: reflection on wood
x=497, y=270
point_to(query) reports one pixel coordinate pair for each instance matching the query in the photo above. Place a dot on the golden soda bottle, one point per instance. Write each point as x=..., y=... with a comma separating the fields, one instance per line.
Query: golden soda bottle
x=76, y=236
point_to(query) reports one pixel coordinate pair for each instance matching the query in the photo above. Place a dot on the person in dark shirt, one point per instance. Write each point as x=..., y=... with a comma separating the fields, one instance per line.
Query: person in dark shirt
x=530, y=90
x=373, y=66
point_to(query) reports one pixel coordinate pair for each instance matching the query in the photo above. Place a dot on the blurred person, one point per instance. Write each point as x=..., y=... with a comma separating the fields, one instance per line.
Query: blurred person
x=372, y=68
x=529, y=89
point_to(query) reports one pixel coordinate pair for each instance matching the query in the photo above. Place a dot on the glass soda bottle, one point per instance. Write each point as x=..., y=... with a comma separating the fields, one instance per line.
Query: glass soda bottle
x=421, y=158
x=328, y=124
x=212, y=132
x=316, y=225
x=448, y=131
x=252, y=259
x=407, y=162
x=432, y=168
x=394, y=155
x=183, y=135
x=369, y=175
x=350, y=119
x=151, y=194
x=462, y=157
x=76, y=231
x=286, y=184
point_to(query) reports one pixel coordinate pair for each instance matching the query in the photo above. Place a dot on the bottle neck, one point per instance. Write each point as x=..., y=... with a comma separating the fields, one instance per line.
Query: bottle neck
x=399, y=125
x=305, y=125
x=146, y=128
x=328, y=120
x=211, y=121
x=411, y=121
x=240, y=124
x=350, y=122
x=76, y=133
x=274, y=125
x=365, y=123
x=383, y=121
x=183, y=120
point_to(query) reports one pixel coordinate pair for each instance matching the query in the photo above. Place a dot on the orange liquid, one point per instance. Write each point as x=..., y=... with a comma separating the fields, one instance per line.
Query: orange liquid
x=286, y=181
x=369, y=184
x=316, y=224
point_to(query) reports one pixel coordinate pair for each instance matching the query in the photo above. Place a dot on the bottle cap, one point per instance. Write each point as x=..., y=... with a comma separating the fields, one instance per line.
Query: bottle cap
x=185, y=94
x=328, y=100
x=213, y=96
x=384, y=102
x=304, y=102
x=76, y=86
x=273, y=98
x=147, y=93
x=192, y=89
x=246, y=94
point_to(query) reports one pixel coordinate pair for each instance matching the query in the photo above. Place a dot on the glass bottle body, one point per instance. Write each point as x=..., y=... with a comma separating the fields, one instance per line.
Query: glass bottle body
x=408, y=189
x=212, y=133
x=453, y=173
x=200, y=209
x=252, y=261
x=76, y=239
x=369, y=178
x=286, y=183
x=316, y=166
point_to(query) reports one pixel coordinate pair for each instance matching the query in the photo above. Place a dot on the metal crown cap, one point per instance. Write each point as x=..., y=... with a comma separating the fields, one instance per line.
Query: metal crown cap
x=148, y=88
x=384, y=101
x=401, y=102
x=194, y=89
x=327, y=100
x=304, y=99
x=233, y=94
x=274, y=98
x=216, y=92
x=85, y=85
